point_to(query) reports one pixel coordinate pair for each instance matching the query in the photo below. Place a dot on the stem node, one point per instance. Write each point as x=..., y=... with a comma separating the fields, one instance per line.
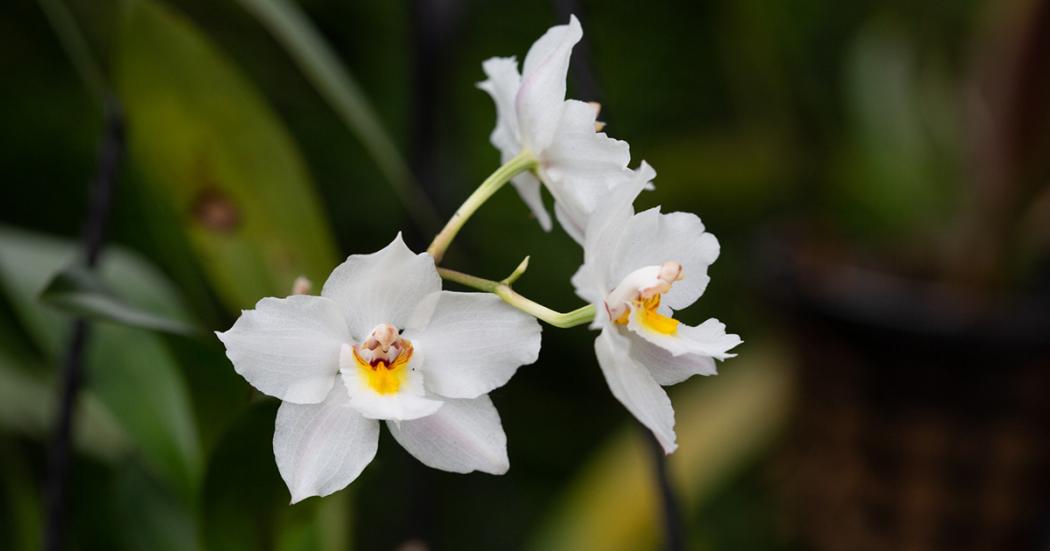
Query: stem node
x=517, y=273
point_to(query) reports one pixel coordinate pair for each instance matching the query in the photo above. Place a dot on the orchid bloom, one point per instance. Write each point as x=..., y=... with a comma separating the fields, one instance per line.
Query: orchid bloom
x=383, y=342
x=577, y=163
x=638, y=269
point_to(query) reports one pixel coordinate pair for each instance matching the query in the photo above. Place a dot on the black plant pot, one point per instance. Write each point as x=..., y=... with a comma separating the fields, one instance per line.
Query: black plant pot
x=923, y=419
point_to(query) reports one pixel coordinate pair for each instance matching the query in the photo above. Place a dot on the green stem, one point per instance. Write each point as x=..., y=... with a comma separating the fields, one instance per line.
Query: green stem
x=565, y=320
x=520, y=163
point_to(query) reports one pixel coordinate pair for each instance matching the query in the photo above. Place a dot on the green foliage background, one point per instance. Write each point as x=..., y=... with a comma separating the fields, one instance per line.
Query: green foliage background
x=243, y=174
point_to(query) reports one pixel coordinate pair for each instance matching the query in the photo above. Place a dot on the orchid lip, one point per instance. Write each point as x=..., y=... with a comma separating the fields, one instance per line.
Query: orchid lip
x=639, y=289
x=383, y=359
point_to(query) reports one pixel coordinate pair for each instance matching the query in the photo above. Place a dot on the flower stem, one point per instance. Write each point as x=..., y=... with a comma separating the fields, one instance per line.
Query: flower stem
x=520, y=163
x=110, y=155
x=674, y=530
x=503, y=290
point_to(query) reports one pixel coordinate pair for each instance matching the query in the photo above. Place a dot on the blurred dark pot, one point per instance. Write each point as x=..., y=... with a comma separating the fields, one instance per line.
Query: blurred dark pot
x=923, y=413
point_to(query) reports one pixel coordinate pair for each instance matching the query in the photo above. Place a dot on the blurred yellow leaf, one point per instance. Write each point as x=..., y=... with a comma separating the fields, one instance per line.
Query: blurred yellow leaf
x=721, y=422
x=211, y=148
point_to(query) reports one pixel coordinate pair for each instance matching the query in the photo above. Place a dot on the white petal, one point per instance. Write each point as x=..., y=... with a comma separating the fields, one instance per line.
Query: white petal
x=614, y=210
x=382, y=287
x=463, y=436
x=320, y=448
x=707, y=339
x=474, y=343
x=666, y=368
x=420, y=317
x=573, y=224
x=502, y=85
x=580, y=166
x=579, y=154
x=633, y=385
x=542, y=94
x=288, y=347
x=651, y=238
x=604, y=231
x=409, y=402
x=529, y=189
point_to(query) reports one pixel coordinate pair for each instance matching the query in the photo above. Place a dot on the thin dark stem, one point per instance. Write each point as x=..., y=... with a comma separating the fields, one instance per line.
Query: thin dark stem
x=58, y=455
x=109, y=157
x=674, y=530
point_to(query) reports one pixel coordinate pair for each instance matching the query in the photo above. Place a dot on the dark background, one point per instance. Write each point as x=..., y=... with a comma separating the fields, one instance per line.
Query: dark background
x=876, y=173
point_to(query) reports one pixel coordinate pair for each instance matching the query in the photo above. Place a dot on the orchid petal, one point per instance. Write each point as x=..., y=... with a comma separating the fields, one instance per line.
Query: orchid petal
x=570, y=220
x=579, y=154
x=463, y=436
x=474, y=343
x=382, y=287
x=321, y=448
x=604, y=231
x=529, y=189
x=502, y=85
x=539, y=101
x=580, y=166
x=633, y=385
x=707, y=339
x=288, y=347
x=652, y=238
x=666, y=368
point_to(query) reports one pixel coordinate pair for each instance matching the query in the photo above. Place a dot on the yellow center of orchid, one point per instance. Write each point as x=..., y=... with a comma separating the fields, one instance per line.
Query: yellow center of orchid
x=384, y=377
x=383, y=359
x=639, y=295
x=646, y=315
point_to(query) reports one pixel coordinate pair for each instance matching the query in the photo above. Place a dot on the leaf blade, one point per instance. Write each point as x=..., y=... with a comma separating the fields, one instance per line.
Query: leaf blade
x=227, y=165
x=80, y=292
x=333, y=81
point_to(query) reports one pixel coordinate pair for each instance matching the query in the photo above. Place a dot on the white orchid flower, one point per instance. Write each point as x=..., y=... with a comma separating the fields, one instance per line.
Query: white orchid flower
x=383, y=342
x=638, y=269
x=577, y=163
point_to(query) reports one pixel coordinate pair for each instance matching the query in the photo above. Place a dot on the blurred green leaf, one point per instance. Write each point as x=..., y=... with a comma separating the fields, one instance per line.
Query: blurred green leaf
x=28, y=261
x=20, y=510
x=151, y=517
x=246, y=502
x=335, y=83
x=27, y=407
x=898, y=171
x=79, y=291
x=135, y=376
x=226, y=164
x=130, y=371
x=721, y=421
